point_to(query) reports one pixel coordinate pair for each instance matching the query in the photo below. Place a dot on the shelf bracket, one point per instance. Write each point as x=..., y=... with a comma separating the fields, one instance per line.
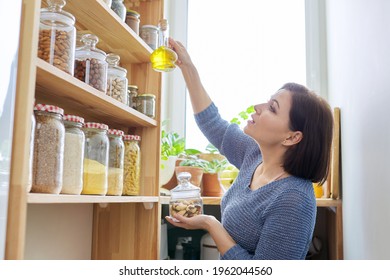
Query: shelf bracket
x=148, y=205
x=103, y=205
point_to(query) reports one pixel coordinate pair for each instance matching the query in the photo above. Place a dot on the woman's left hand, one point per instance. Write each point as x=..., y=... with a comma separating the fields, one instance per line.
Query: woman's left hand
x=196, y=222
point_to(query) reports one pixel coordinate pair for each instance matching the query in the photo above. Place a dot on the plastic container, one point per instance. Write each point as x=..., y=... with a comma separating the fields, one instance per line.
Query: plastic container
x=57, y=36
x=115, y=162
x=49, y=138
x=90, y=63
x=132, y=20
x=149, y=33
x=119, y=8
x=96, y=153
x=146, y=104
x=185, y=198
x=116, y=79
x=132, y=165
x=132, y=91
x=73, y=155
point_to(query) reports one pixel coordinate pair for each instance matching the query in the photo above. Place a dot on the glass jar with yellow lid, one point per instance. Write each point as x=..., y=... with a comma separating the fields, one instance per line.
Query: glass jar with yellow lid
x=146, y=104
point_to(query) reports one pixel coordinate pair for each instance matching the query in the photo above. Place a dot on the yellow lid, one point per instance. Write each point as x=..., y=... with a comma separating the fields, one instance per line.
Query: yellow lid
x=134, y=13
x=147, y=95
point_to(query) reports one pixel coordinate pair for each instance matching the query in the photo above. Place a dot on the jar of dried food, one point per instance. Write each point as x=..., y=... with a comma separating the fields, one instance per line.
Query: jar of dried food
x=73, y=155
x=132, y=20
x=116, y=161
x=146, y=104
x=95, y=174
x=149, y=33
x=132, y=165
x=116, y=79
x=57, y=36
x=119, y=8
x=132, y=91
x=185, y=198
x=49, y=138
x=90, y=63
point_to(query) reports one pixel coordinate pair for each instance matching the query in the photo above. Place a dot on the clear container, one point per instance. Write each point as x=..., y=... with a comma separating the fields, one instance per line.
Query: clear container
x=73, y=155
x=116, y=79
x=116, y=161
x=132, y=20
x=119, y=8
x=96, y=154
x=132, y=165
x=146, y=104
x=132, y=91
x=149, y=33
x=90, y=63
x=49, y=138
x=57, y=36
x=185, y=198
x=31, y=154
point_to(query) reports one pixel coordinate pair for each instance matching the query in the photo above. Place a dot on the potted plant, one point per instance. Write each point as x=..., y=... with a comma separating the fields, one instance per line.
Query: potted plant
x=211, y=179
x=194, y=165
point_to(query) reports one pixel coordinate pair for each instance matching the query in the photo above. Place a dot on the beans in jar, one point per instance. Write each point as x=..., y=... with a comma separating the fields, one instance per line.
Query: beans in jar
x=92, y=72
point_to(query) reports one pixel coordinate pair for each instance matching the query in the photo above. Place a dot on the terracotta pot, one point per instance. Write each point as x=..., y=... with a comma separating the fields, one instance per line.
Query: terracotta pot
x=196, y=173
x=211, y=185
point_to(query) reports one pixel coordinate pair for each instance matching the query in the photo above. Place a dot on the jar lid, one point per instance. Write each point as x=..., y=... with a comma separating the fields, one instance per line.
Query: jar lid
x=89, y=50
x=132, y=137
x=113, y=63
x=133, y=13
x=72, y=118
x=147, y=95
x=148, y=26
x=132, y=86
x=96, y=125
x=117, y=132
x=54, y=15
x=185, y=189
x=49, y=108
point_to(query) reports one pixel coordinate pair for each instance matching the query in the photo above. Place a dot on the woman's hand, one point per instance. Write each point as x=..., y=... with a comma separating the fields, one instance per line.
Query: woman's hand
x=197, y=222
x=183, y=56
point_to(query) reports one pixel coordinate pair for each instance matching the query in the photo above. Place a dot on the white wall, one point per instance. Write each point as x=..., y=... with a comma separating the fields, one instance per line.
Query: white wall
x=359, y=73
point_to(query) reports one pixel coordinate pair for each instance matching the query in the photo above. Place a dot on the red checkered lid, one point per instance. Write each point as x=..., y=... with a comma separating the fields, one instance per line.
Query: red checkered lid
x=132, y=137
x=49, y=108
x=96, y=125
x=73, y=118
x=118, y=132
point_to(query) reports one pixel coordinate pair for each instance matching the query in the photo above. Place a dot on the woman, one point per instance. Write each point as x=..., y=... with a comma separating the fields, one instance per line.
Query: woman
x=270, y=210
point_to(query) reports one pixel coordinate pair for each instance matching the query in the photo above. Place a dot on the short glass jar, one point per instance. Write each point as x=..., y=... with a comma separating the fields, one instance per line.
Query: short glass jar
x=185, y=198
x=96, y=153
x=116, y=79
x=57, y=36
x=132, y=20
x=119, y=8
x=73, y=155
x=132, y=165
x=146, y=104
x=49, y=141
x=90, y=63
x=116, y=161
x=149, y=33
x=132, y=91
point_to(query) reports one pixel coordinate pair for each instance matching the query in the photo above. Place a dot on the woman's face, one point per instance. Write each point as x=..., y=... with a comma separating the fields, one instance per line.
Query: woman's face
x=269, y=125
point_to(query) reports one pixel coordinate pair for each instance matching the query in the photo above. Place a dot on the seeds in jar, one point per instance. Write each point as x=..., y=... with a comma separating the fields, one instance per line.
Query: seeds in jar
x=186, y=208
x=73, y=164
x=116, y=88
x=115, y=181
x=92, y=72
x=95, y=177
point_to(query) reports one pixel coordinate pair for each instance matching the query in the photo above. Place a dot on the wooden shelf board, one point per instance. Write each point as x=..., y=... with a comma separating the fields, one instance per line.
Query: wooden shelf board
x=57, y=86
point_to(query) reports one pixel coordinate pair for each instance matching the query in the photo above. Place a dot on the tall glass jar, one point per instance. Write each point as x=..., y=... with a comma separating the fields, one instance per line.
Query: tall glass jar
x=116, y=79
x=73, y=155
x=57, y=36
x=90, y=63
x=132, y=165
x=49, y=138
x=116, y=161
x=96, y=154
x=149, y=33
x=132, y=91
x=119, y=8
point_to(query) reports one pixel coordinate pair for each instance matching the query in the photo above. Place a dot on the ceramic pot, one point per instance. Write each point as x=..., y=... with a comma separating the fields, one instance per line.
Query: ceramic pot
x=211, y=185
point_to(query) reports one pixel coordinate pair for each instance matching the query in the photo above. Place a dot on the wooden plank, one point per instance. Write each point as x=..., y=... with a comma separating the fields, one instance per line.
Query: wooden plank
x=335, y=158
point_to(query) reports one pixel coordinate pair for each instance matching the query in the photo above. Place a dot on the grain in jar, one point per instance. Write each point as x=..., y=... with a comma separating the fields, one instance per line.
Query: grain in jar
x=31, y=153
x=96, y=154
x=149, y=33
x=116, y=161
x=132, y=91
x=132, y=165
x=73, y=155
x=146, y=104
x=132, y=20
x=49, y=138
x=116, y=79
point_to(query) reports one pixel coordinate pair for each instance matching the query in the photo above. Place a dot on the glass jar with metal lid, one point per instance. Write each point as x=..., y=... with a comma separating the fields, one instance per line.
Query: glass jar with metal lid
x=132, y=20
x=57, y=36
x=116, y=161
x=185, y=198
x=116, y=79
x=149, y=33
x=132, y=91
x=73, y=155
x=119, y=8
x=90, y=63
x=49, y=138
x=132, y=165
x=96, y=154
x=146, y=104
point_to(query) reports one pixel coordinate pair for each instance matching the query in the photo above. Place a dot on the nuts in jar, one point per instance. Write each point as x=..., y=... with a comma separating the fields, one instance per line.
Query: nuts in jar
x=186, y=208
x=116, y=79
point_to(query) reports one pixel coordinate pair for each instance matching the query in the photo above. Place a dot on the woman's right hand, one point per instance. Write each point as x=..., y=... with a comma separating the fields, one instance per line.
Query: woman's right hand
x=184, y=58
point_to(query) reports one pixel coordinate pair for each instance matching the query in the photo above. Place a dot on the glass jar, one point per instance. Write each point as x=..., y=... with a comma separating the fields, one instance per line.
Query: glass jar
x=90, y=63
x=185, y=198
x=116, y=161
x=49, y=138
x=57, y=36
x=149, y=33
x=132, y=20
x=95, y=173
x=73, y=155
x=119, y=8
x=132, y=165
x=31, y=153
x=146, y=104
x=132, y=92
x=116, y=79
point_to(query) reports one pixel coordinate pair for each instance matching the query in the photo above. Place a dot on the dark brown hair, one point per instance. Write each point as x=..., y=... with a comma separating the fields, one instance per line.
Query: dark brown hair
x=311, y=115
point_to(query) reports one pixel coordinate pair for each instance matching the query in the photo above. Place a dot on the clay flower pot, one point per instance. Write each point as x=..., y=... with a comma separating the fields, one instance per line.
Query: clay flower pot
x=211, y=185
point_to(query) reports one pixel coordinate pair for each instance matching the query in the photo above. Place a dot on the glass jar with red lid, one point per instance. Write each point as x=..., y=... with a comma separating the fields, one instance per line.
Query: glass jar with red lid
x=132, y=165
x=115, y=162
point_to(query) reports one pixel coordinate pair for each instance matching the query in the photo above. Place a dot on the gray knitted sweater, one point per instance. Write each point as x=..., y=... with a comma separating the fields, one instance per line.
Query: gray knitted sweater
x=275, y=221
